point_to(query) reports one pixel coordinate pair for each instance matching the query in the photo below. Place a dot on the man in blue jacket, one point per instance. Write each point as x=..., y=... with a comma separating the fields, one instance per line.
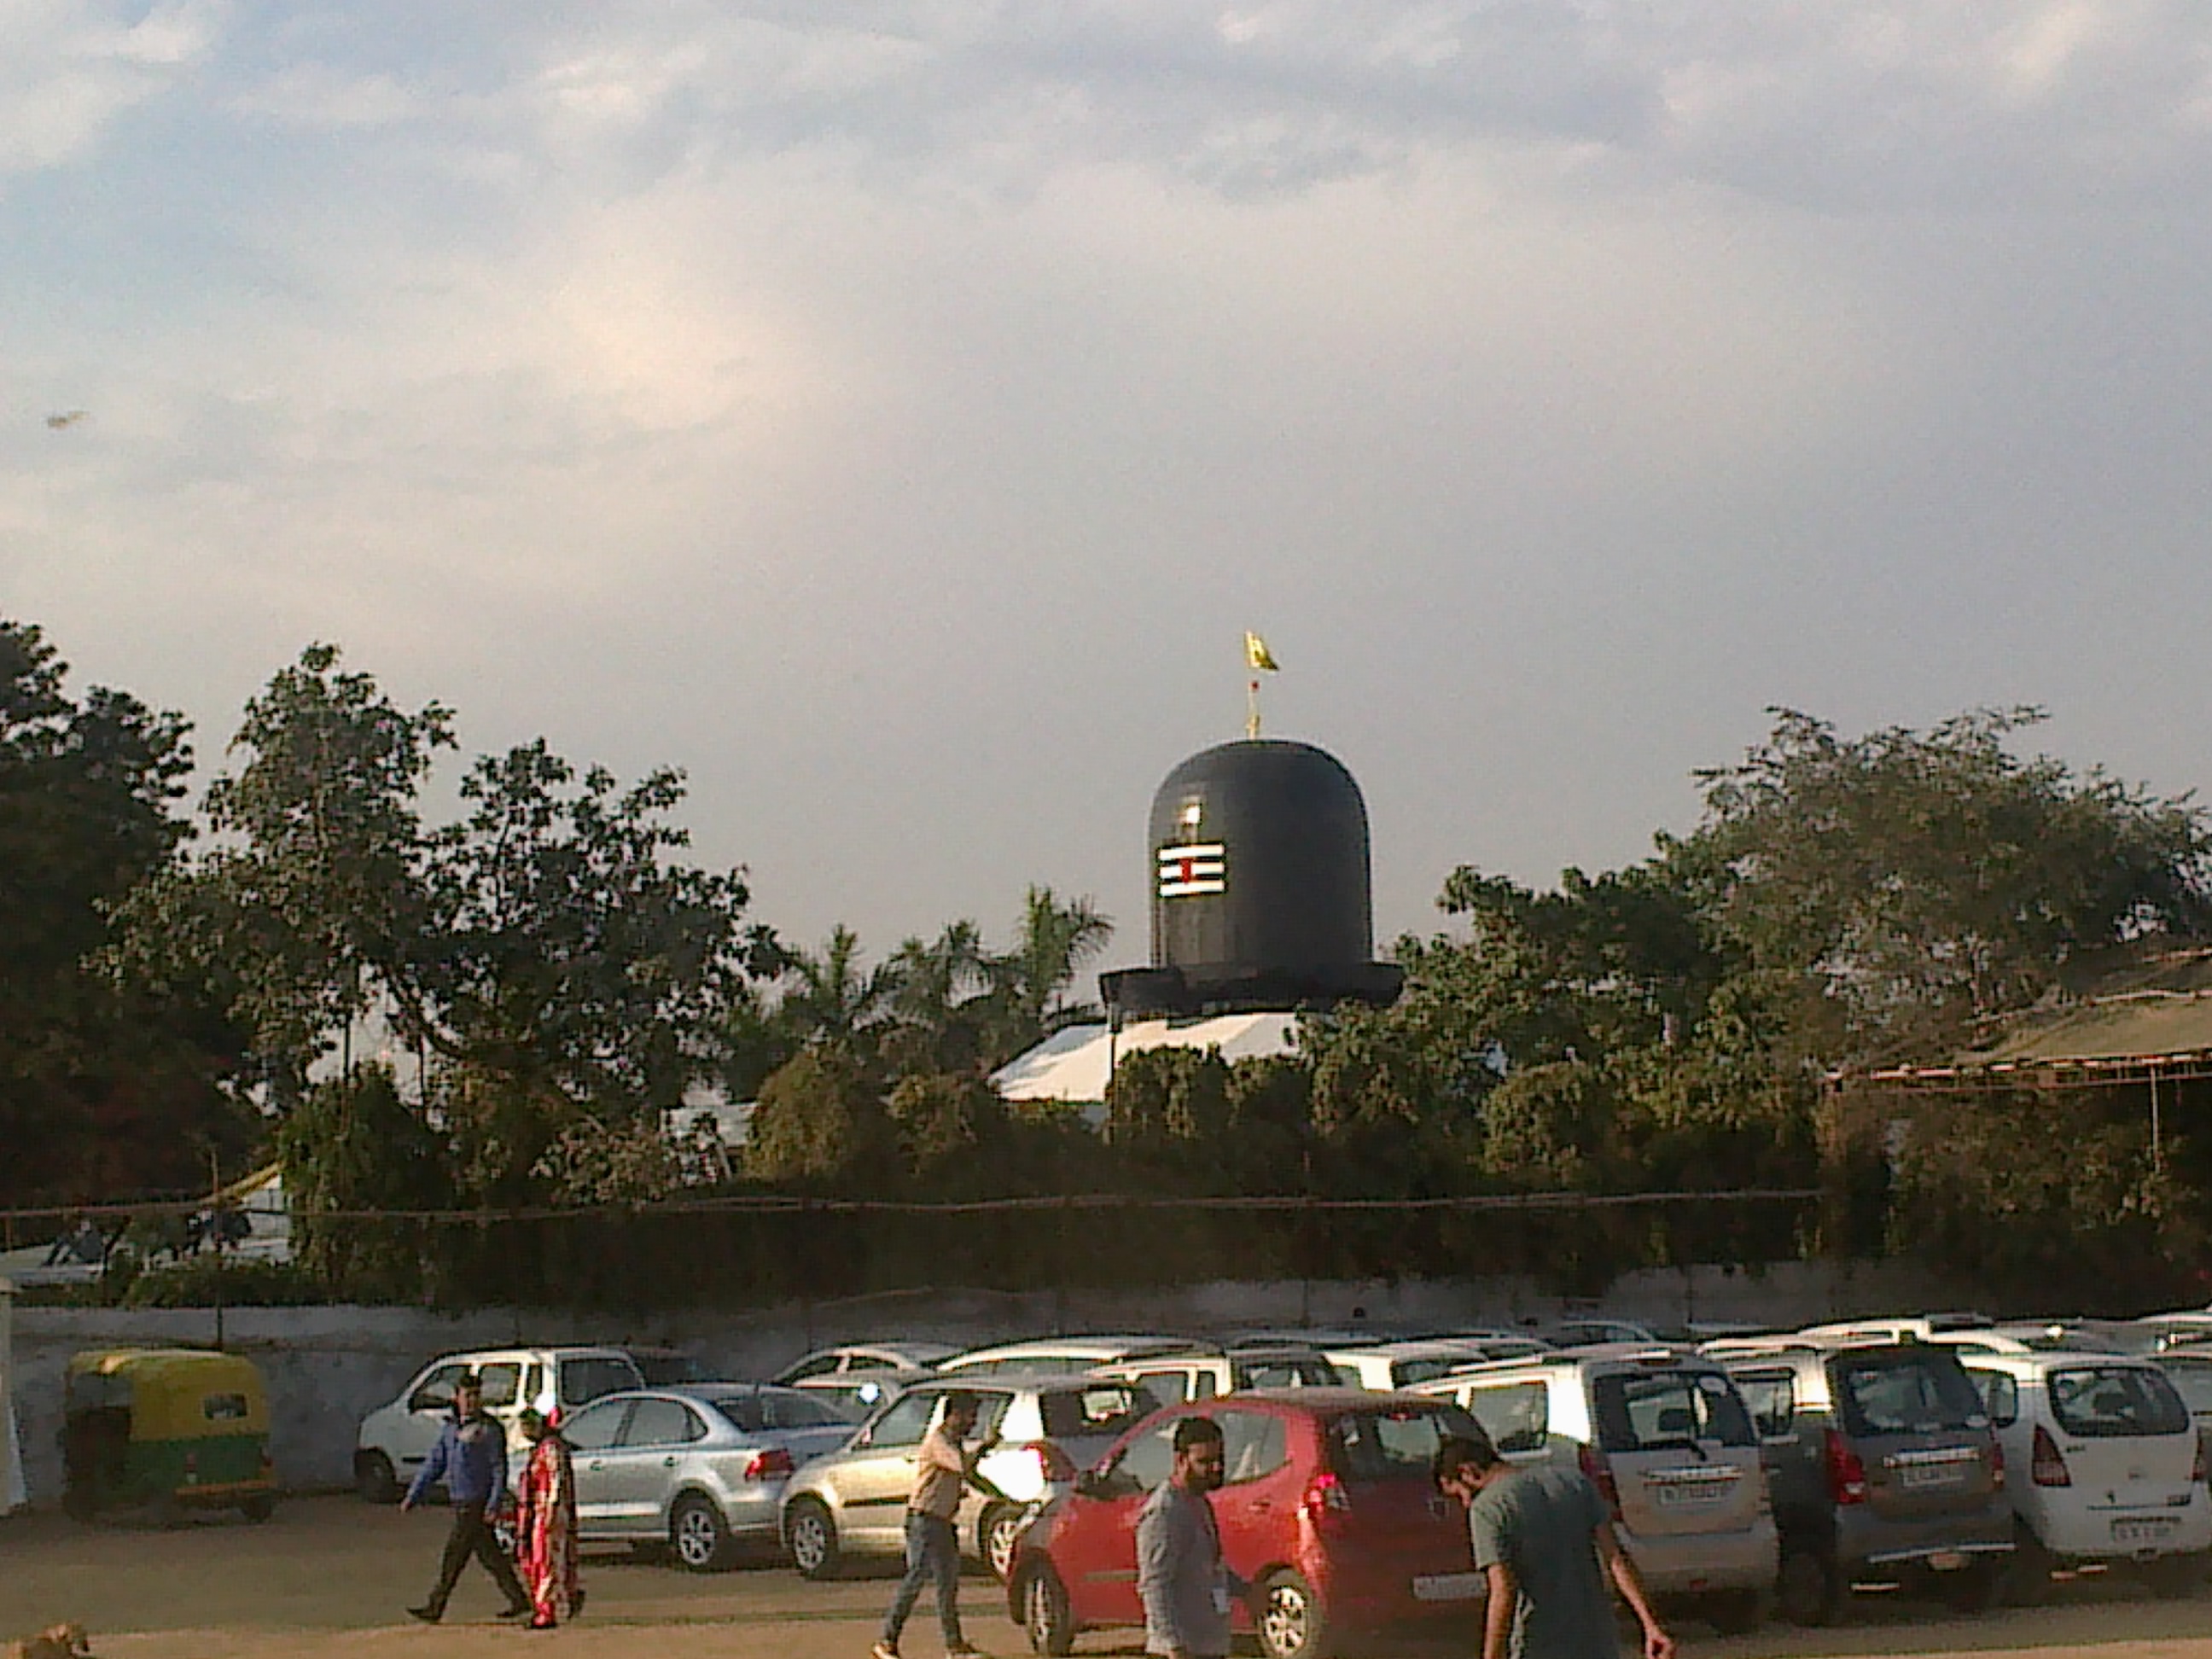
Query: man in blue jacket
x=470, y=1456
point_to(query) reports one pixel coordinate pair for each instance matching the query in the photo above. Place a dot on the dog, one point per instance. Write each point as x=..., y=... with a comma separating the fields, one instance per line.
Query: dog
x=55, y=1642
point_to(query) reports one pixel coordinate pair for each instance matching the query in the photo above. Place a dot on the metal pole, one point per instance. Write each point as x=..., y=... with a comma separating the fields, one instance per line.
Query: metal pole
x=2157, y=1138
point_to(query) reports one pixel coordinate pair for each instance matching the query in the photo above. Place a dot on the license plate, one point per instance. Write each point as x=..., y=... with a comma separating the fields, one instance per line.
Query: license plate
x=1451, y=1587
x=2150, y=1531
x=1947, y=1561
x=1682, y=1497
x=1915, y=1477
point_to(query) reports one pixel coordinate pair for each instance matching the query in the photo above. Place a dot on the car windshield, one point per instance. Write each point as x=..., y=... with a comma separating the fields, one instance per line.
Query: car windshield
x=1297, y=1371
x=1908, y=1394
x=1103, y=1408
x=1395, y=1442
x=1649, y=1409
x=2116, y=1401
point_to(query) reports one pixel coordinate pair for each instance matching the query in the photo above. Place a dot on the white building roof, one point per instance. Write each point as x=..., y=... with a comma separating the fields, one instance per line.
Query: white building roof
x=1070, y=1065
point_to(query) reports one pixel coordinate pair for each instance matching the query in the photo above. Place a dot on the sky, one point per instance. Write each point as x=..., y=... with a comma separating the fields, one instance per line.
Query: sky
x=894, y=414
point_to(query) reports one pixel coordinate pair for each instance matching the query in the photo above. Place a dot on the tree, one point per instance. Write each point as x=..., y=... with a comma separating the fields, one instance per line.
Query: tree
x=832, y=996
x=1055, y=941
x=821, y=1121
x=351, y=1143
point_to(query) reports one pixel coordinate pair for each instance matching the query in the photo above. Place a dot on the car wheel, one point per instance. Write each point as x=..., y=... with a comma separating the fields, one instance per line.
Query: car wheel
x=1734, y=1613
x=1971, y=1590
x=2175, y=1578
x=373, y=1480
x=1289, y=1618
x=811, y=1535
x=699, y=1534
x=1001, y=1529
x=1809, y=1587
x=1046, y=1616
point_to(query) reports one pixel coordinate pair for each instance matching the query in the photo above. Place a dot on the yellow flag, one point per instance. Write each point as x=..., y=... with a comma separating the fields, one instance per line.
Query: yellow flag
x=1257, y=657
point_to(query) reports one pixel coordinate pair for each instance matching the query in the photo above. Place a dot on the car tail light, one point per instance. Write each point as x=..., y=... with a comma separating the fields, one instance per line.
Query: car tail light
x=1598, y=1471
x=1055, y=1467
x=1997, y=1463
x=1325, y=1495
x=1847, y=1476
x=2201, y=1471
x=2047, y=1467
x=774, y=1464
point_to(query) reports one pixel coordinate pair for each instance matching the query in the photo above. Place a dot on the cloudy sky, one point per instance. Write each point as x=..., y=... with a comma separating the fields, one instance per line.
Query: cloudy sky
x=896, y=419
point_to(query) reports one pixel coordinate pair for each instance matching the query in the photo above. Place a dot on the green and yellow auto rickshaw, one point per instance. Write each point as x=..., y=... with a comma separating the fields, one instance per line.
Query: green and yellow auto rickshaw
x=168, y=1429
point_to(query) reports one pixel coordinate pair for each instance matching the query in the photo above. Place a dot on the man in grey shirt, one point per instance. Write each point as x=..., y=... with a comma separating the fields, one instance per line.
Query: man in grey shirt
x=1187, y=1589
x=1543, y=1540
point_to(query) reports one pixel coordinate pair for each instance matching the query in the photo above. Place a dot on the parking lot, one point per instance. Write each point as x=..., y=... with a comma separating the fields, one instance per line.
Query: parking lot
x=329, y=1578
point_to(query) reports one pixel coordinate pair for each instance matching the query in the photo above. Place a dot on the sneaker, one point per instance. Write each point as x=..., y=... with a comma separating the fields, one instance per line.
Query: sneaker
x=427, y=1615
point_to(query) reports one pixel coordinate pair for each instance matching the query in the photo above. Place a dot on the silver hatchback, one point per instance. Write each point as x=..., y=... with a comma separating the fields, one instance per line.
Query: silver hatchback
x=701, y=1468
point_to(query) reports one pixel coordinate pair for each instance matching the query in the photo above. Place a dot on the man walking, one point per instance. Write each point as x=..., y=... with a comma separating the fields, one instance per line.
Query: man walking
x=472, y=1456
x=1543, y=1539
x=932, y=1545
x=1187, y=1589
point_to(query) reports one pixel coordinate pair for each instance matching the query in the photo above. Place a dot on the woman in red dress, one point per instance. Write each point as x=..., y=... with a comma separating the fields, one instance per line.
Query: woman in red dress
x=546, y=1525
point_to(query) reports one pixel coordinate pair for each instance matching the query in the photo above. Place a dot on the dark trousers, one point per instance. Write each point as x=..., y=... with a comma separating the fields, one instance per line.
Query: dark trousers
x=932, y=1556
x=472, y=1535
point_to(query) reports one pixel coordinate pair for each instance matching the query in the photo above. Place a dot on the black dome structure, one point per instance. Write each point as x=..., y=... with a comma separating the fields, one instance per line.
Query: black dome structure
x=1258, y=860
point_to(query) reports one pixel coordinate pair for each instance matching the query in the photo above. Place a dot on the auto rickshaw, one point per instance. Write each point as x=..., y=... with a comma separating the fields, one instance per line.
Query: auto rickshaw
x=171, y=1428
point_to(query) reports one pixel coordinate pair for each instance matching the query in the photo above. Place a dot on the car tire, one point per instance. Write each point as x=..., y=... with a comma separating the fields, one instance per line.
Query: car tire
x=810, y=1533
x=2175, y=1578
x=1288, y=1618
x=1734, y=1613
x=373, y=1480
x=698, y=1536
x=1972, y=1589
x=1810, y=1587
x=1047, y=1618
x=996, y=1534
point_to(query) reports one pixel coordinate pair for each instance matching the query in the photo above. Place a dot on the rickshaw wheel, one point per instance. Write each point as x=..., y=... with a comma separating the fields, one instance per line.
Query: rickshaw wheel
x=169, y=1513
x=258, y=1510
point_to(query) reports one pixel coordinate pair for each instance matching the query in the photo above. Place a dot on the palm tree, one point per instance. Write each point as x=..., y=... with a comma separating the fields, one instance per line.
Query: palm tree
x=832, y=996
x=1056, y=938
x=940, y=998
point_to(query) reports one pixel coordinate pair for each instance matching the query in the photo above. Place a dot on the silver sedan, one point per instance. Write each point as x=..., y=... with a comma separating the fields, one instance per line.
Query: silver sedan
x=700, y=1467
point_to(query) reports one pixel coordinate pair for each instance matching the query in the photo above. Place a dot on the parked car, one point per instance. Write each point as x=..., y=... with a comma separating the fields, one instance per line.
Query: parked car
x=1201, y=1373
x=1884, y=1470
x=2191, y=1373
x=861, y=1357
x=2115, y=1471
x=1587, y=1332
x=1329, y=1510
x=394, y=1439
x=1666, y=1438
x=669, y=1368
x=1915, y=1327
x=857, y=1394
x=702, y=1467
x=852, y=1502
x=1046, y=1355
x=1386, y=1366
x=2090, y=1335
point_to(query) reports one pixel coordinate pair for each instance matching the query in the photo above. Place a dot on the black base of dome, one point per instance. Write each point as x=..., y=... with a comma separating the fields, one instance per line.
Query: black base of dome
x=1177, y=993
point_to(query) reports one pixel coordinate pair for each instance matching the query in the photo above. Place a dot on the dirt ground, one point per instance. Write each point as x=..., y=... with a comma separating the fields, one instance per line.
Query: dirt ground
x=330, y=1579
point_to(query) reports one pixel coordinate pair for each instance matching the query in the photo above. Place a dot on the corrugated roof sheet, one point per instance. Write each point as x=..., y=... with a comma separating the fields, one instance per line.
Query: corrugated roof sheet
x=1070, y=1065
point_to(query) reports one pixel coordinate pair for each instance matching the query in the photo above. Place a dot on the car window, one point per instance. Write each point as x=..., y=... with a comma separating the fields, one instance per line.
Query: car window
x=1650, y=1409
x=1907, y=1394
x=1254, y=1445
x=2194, y=1380
x=905, y=1423
x=798, y=1410
x=2000, y=1393
x=1287, y=1374
x=1205, y=1386
x=1517, y=1416
x=500, y=1382
x=747, y=1412
x=434, y=1393
x=1771, y=1399
x=2112, y=1401
x=1406, y=1372
x=662, y=1423
x=597, y=1427
x=868, y=1362
x=1168, y=1387
x=1103, y=1408
x=1143, y=1464
x=1393, y=1442
x=583, y=1381
x=821, y=1365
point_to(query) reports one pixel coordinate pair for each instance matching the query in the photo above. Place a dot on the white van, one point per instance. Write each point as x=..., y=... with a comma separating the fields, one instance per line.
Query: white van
x=393, y=1440
x=2107, y=1467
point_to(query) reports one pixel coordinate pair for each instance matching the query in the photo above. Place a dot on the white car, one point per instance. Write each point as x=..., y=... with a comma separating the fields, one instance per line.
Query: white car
x=2107, y=1469
x=1055, y=1355
x=1384, y=1366
x=854, y=1358
x=393, y=1440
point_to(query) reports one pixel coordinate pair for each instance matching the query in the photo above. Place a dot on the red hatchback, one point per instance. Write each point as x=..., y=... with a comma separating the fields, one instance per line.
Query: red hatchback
x=1328, y=1510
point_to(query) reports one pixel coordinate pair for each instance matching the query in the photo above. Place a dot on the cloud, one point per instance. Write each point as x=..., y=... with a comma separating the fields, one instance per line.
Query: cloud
x=69, y=68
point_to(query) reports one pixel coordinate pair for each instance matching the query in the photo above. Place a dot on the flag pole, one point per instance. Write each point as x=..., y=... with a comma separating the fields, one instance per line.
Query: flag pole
x=1252, y=708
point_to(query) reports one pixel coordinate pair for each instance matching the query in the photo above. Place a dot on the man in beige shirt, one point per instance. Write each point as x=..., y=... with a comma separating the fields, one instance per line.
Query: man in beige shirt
x=945, y=1467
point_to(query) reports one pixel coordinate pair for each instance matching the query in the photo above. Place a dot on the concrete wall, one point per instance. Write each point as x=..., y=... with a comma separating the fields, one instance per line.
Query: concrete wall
x=328, y=1367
